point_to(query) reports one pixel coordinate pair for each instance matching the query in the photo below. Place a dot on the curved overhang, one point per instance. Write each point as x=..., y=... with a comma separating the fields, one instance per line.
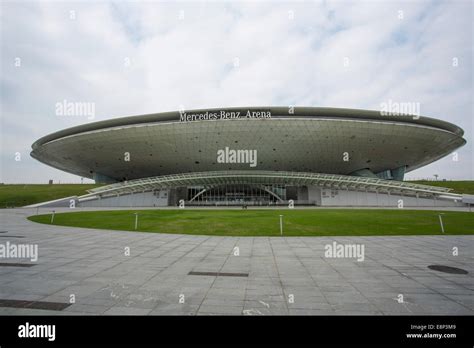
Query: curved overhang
x=217, y=178
x=276, y=112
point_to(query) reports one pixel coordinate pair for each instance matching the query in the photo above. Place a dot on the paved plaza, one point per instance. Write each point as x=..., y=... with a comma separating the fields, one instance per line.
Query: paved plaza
x=230, y=275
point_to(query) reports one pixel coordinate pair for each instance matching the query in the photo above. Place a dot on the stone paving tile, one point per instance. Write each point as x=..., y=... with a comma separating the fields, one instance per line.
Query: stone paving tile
x=222, y=302
x=465, y=300
x=127, y=311
x=87, y=309
x=174, y=309
x=309, y=311
x=27, y=297
x=356, y=307
x=91, y=264
x=220, y=309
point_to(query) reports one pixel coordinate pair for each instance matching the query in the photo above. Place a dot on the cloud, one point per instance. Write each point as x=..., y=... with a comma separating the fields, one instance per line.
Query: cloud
x=147, y=57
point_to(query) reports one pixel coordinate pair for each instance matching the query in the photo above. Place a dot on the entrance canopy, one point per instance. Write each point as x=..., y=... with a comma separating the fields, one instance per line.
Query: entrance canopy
x=255, y=177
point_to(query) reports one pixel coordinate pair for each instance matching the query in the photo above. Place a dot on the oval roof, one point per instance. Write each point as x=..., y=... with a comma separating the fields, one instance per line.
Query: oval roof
x=276, y=112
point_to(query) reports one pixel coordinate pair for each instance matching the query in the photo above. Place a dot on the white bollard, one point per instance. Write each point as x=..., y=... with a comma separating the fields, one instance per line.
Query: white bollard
x=281, y=225
x=136, y=220
x=441, y=223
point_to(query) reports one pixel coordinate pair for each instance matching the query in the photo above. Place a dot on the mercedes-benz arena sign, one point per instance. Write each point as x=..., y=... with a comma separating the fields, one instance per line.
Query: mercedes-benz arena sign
x=292, y=139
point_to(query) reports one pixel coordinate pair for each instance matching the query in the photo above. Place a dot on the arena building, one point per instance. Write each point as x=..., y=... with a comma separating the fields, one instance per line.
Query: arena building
x=254, y=156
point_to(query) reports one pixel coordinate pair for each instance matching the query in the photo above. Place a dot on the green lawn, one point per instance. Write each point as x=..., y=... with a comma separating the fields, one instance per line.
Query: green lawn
x=21, y=195
x=457, y=186
x=305, y=222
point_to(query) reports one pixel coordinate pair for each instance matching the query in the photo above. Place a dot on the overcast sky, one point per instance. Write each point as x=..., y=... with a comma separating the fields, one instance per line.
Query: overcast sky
x=147, y=57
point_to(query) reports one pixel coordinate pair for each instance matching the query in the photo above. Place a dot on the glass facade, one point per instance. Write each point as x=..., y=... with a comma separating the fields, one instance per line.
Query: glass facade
x=236, y=194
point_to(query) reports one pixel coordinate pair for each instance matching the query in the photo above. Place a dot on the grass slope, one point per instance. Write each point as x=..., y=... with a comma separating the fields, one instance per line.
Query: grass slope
x=458, y=186
x=21, y=195
x=308, y=222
